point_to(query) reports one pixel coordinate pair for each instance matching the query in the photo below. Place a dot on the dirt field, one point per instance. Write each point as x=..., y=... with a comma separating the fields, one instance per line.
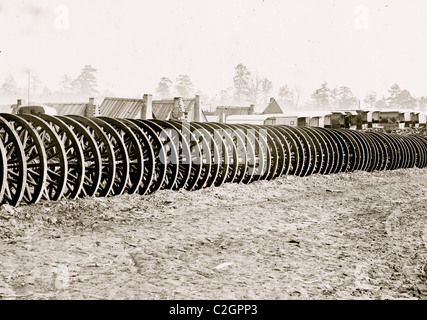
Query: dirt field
x=346, y=236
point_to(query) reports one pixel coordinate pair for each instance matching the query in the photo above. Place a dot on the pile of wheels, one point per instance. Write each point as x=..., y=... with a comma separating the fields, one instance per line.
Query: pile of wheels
x=51, y=157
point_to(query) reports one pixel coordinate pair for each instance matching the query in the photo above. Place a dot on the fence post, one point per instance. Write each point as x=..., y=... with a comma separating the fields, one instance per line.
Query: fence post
x=91, y=108
x=197, y=109
x=147, y=107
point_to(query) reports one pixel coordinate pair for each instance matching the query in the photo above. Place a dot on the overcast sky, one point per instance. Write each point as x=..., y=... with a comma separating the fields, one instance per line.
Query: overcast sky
x=132, y=43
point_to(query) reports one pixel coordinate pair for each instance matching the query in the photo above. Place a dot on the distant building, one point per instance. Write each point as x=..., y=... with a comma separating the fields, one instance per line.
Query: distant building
x=168, y=109
x=258, y=119
x=85, y=109
x=273, y=107
x=221, y=113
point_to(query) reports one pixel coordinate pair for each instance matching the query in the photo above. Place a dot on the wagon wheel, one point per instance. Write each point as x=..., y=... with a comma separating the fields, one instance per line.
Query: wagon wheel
x=35, y=158
x=167, y=159
x=303, y=146
x=400, y=153
x=321, y=152
x=219, y=151
x=275, y=152
x=310, y=149
x=388, y=152
x=294, y=155
x=281, y=153
x=310, y=146
x=57, y=164
x=372, y=151
x=349, y=156
x=376, y=153
x=227, y=171
x=325, y=148
x=231, y=139
x=3, y=171
x=353, y=143
x=300, y=151
x=381, y=151
x=73, y=153
x=106, y=151
x=330, y=150
x=200, y=132
x=201, y=153
x=384, y=150
x=153, y=173
x=346, y=158
x=405, y=151
x=154, y=156
x=423, y=142
x=421, y=151
x=210, y=153
x=393, y=153
x=418, y=157
x=184, y=155
x=264, y=151
x=16, y=170
x=400, y=156
x=256, y=162
x=200, y=156
x=365, y=147
x=413, y=152
x=335, y=158
x=286, y=149
x=121, y=156
x=135, y=154
x=411, y=159
x=354, y=152
x=92, y=162
x=247, y=163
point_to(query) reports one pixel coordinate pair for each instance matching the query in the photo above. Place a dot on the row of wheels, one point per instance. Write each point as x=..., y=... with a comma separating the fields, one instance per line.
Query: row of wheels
x=51, y=157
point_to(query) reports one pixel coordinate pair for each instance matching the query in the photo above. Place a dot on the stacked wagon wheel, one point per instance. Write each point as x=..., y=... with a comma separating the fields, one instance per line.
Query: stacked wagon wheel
x=46, y=157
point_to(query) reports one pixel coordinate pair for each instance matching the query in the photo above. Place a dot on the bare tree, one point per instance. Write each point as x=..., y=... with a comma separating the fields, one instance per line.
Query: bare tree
x=370, y=98
x=224, y=97
x=86, y=83
x=254, y=90
x=9, y=86
x=322, y=96
x=184, y=86
x=286, y=96
x=36, y=84
x=241, y=81
x=66, y=85
x=298, y=91
x=164, y=88
x=266, y=87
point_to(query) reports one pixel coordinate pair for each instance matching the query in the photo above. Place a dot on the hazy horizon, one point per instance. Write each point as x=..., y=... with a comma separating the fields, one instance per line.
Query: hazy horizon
x=132, y=44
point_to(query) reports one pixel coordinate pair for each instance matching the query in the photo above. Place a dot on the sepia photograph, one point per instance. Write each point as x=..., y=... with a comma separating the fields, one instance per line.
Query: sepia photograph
x=235, y=152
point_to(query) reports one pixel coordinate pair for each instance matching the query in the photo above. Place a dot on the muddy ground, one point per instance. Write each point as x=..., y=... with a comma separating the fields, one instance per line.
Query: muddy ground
x=346, y=236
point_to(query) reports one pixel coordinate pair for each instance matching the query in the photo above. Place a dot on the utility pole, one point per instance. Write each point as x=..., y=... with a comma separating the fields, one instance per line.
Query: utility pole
x=28, y=101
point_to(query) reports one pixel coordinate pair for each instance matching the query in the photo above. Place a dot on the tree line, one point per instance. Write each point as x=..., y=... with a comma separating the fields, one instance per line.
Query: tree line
x=246, y=88
x=81, y=88
x=251, y=88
